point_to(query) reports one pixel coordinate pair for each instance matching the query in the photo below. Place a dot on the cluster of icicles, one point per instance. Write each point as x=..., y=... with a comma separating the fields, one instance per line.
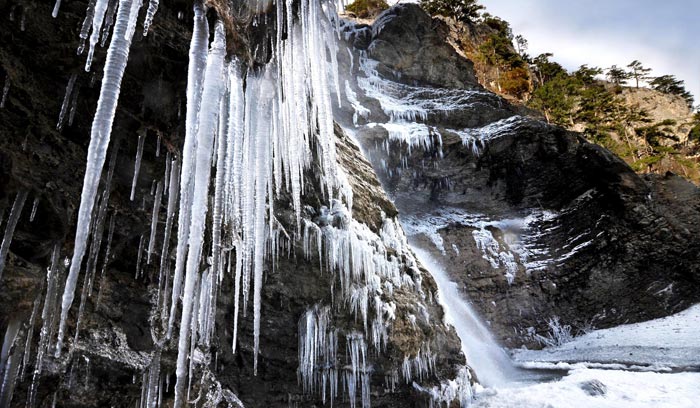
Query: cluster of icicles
x=249, y=129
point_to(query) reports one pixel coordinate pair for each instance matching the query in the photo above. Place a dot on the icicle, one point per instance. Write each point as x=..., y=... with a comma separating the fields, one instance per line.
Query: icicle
x=97, y=19
x=137, y=163
x=359, y=374
x=30, y=332
x=105, y=261
x=117, y=57
x=5, y=91
x=96, y=242
x=318, y=345
x=87, y=23
x=173, y=191
x=12, y=220
x=195, y=77
x=208, y=119
x=48, y=319
x=9, y=361
x=73, y=104
x=152, y=8
x=109, y=20
x=66, y=100
x=217, y=213
x=35, y=206
x=138, y=258
x=153, y=381
x=56, y=6
x=154, y=221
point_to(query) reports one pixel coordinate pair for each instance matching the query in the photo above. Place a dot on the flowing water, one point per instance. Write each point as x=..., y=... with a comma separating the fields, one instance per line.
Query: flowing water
x=491, y=364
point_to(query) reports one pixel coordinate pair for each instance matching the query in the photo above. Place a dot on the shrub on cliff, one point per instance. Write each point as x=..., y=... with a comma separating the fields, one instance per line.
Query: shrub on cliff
x=367, y=8
x=460, y=10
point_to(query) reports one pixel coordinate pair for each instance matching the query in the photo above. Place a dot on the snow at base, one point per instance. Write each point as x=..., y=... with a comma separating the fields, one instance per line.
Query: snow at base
x=624, y=366
x=667, y=343
x=587, y=388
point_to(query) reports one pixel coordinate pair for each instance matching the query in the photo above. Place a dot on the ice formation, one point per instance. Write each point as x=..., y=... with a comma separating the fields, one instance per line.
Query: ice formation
x=5, y=91
x=117, y=56
x=137, y=164
x=254, y=133
x=66, y=101
x=150, y=13
x=12, y=221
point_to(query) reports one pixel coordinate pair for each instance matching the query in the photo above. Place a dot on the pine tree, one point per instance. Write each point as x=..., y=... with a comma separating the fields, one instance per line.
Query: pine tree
x=546, y=69
x=638, y=71
x=671, y=85
x=521, y=44
x=461, y=10
x=617, y=75
x=587, y=74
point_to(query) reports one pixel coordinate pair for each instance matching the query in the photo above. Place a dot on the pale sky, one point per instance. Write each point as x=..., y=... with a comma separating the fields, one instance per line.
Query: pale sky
x=663, y=35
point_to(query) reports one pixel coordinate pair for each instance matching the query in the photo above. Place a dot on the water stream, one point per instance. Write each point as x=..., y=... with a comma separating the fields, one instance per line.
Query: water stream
x=491, y=364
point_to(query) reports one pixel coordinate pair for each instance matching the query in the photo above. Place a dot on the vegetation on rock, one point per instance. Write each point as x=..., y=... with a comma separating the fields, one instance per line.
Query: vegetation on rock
x=651, y=128
x=367, y=8
x=461, y=10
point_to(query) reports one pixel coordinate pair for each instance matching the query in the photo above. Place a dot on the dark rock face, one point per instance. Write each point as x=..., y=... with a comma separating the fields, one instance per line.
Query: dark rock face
x=404, y=39
x=578, y=233
x=115, y=345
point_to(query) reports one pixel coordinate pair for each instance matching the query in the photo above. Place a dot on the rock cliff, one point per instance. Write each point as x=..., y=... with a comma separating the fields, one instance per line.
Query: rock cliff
x=387, y=335
x=531, y=220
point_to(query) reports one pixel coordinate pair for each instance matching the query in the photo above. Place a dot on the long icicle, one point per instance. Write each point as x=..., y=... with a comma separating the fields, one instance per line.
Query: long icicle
x=97, y=19
x=208, y=120
x=117, y=57
x=198, y=60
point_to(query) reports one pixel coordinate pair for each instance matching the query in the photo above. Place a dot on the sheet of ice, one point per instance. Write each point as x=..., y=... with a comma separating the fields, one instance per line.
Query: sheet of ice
x=476, y=138
x=670, y=342
x=519, y=244
x=415, y=103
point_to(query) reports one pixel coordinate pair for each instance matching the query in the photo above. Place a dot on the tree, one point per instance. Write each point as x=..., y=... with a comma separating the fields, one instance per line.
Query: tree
x=500, y=25
x=556, y=99
x=598, y=107
x=617, y=75
x=545, y=69
x=521, y=45
x=694, y=135
x=638, y=71
x=671, y=85
x=461, y=10
x=587, y=74
x=367, y=8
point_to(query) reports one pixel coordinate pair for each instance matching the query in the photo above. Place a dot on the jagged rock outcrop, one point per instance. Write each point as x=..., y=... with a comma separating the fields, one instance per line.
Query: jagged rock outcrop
x=404, y=39
x=530, y=219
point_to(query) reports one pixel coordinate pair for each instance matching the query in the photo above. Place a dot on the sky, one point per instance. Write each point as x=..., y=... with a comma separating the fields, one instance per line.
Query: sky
x=663, y=35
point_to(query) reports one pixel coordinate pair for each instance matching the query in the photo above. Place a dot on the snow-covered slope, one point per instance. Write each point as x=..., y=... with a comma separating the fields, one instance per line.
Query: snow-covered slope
x=669, y=343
